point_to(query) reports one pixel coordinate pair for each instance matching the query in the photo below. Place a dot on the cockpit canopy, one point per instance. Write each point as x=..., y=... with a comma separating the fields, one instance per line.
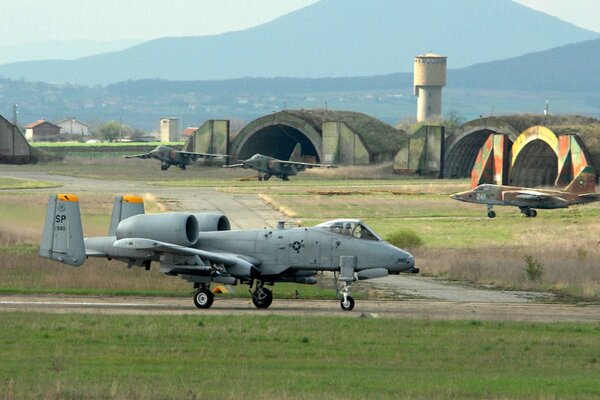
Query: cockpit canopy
x=350, y=227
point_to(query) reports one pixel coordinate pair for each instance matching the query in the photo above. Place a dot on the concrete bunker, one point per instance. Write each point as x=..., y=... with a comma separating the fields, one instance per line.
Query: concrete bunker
x=535, y=165
x=326, y=136
x=278, y=140
x=464, y=144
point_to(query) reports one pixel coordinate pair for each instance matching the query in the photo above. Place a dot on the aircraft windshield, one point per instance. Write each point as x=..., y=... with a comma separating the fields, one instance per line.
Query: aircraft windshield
x=353, y=228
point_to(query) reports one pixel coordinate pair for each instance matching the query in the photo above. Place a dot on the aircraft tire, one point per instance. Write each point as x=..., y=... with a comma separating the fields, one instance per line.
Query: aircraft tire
x=532, y=213
x=347, y=305
x=263, y=302
x=492, y=214
x=203, y=298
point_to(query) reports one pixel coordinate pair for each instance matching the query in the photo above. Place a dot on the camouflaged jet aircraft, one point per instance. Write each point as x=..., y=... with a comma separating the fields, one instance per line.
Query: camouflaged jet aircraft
x=269, y=166
x=201, y=248
x=169, y=156
x=580, y=191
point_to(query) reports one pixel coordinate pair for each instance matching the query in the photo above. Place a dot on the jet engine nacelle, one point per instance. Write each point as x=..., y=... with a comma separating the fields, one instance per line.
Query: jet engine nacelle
x=210, y=222
x=176, y=228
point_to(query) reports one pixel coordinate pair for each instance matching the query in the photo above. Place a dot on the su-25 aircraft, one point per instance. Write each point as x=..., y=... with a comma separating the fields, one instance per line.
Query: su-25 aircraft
x=201, y=248
x=581, y=190
x=269, y=166
x=169, y=156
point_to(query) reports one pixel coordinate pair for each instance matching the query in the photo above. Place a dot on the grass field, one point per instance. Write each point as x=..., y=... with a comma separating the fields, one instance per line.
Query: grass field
x=265, y=357
x=11, y=183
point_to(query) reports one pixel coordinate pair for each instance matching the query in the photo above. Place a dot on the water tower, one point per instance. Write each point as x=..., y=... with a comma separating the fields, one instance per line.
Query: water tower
x=429, y=78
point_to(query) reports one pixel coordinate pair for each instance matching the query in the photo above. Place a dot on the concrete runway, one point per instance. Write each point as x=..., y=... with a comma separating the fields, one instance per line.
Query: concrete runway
x=410, y=309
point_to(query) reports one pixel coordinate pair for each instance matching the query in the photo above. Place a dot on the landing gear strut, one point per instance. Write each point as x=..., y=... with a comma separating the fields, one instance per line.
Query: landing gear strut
x=347, y=302
x=262, y=297
x=528, y=212
x=204, y=298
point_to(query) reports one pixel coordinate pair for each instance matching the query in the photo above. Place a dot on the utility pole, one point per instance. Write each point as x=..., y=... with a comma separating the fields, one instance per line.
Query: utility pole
x=15, y=113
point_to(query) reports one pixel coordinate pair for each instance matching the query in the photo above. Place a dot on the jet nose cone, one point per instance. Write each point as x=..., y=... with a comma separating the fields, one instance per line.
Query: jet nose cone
x=411, y=261
x=454, y=196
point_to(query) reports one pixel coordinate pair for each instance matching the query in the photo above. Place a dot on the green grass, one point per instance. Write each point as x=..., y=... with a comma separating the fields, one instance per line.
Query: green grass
x=11, y=183
x=102, y=144
x=263, y=356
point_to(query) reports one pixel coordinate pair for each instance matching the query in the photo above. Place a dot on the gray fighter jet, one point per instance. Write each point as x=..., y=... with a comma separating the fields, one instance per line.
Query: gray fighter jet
x=169, y=156
x=270, y=166
x=201, y=248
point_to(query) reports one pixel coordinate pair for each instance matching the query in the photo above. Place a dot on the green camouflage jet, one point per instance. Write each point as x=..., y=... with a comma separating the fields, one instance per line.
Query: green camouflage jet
x=169, y=156
x=201, y=248
x=269, y=166
x=580, y=191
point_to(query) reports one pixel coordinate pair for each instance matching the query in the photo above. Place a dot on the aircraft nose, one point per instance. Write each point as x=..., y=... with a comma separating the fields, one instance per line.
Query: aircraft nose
x=454, y=196
x=404, y=262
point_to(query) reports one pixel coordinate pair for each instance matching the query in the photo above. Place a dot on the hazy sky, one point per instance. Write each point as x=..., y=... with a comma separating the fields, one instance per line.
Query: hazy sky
x=26, y=21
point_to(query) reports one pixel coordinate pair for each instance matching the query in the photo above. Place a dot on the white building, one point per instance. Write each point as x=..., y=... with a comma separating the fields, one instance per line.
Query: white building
x=71, y=126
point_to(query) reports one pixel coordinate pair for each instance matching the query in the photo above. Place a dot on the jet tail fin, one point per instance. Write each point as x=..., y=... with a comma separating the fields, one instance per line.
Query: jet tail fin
x=62, y=239
x=124, y=207
x=296, y=154
x=585, y=182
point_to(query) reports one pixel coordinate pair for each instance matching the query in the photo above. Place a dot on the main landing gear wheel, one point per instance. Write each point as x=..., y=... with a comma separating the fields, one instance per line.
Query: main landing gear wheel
x=491, y=214
x=529, y=213
x=262, y=298
x=204, y=298
x=347, y=303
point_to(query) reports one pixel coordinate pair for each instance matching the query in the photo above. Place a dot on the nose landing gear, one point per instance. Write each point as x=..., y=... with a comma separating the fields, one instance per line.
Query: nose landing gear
x=347, y=302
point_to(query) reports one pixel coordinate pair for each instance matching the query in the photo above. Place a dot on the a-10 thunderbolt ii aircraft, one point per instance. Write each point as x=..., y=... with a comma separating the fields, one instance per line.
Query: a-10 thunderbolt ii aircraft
x=201, y=248
x=169, y=156
x=581, y=190
x=270, y=166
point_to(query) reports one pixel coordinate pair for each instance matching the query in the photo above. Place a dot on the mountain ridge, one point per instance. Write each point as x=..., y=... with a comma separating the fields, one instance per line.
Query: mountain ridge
x=331, y=38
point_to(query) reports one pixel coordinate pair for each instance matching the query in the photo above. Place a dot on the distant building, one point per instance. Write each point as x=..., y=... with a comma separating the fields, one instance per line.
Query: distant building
x=188, y=132
x=169, y=130
x=14, y=149
x=72, y=126
x=42, y=130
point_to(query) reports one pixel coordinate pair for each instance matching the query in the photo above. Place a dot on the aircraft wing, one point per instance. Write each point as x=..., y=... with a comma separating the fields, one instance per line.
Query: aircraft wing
x=590, y=196
x=532, y=197
x=145, y=155
x=236, y=264
x=234, y=166
x=199, y=155
x=303, y=165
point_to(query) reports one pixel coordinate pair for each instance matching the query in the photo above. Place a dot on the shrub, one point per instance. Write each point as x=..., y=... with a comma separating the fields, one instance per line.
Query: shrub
x=533, y=268
x=405, y=238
